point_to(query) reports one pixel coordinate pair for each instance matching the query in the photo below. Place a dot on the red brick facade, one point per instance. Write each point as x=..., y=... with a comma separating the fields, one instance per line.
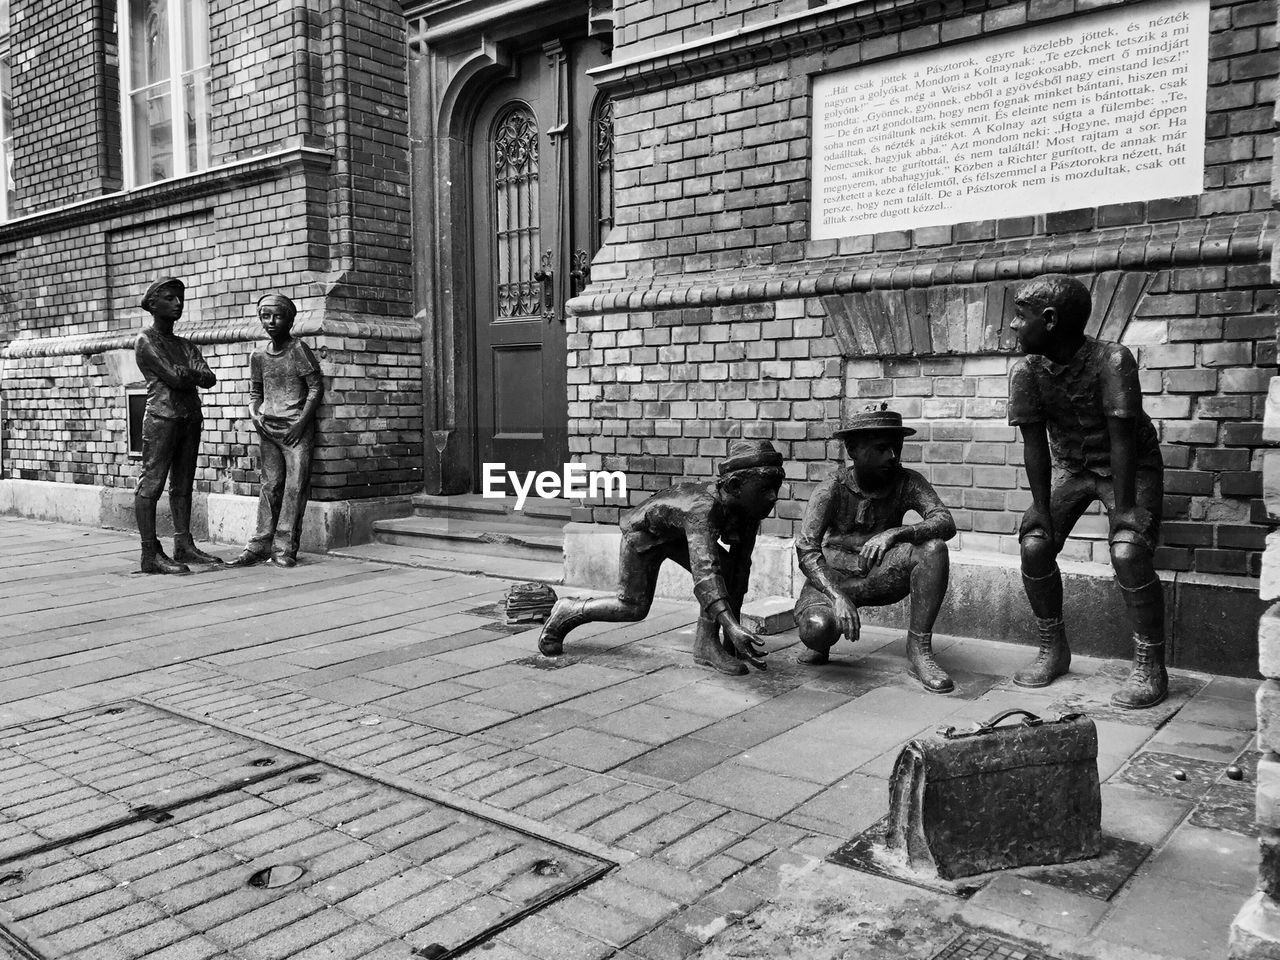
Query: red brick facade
x=713, y=316
x=710, y=315
x=308, y=193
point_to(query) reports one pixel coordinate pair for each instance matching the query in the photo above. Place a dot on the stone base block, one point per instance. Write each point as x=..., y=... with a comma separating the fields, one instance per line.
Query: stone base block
x=1268, y=701
x=769, y=615
x=1269, y=790
x=1211, y=621
x=223, y=518
x=1255, y=934
x=62, y=502
x=1269, y=642
x=591, y=560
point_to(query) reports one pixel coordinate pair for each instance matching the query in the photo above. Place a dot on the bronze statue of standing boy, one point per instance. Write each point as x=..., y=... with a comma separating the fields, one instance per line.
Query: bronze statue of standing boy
x=173, y=368
x=1078, y=404
x=285, y=388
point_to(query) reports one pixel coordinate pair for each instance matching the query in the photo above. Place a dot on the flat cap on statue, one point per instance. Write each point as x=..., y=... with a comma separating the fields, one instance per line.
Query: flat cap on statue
x=159, y=285
x=744, y=454
x=875, y=418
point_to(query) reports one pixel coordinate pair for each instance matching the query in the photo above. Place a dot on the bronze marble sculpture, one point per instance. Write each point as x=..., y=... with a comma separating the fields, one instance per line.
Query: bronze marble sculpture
x=173, y=368
x=687, y=523
x=285, y=388
x=855, y=550
x=1078, y=404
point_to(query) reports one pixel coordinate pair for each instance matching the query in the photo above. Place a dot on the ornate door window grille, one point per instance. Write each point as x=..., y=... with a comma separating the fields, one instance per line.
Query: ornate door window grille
x=515, y=205
x=602, y=148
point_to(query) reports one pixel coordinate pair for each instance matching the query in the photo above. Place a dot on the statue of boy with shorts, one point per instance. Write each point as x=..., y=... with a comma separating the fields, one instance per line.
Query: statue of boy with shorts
x=1078, y=404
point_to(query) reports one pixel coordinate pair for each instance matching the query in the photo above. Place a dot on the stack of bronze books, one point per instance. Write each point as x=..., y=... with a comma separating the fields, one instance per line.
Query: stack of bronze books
x=529, y=602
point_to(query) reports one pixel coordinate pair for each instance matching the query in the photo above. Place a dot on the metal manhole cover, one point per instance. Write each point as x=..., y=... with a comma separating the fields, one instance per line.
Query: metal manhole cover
x=147, y=827
x=982, y=946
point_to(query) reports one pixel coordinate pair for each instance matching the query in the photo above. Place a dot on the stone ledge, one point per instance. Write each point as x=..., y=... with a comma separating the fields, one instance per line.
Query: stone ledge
x=1211, y=621
x=203, y=183
x=220, y=517
x=400, y=329
x=1005, y=261
x=816, y=32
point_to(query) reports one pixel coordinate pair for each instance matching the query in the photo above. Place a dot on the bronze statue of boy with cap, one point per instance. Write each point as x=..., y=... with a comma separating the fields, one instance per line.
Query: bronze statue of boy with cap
x=173, y=368
x=688, y=523
x=856, y=552
x=285, y=388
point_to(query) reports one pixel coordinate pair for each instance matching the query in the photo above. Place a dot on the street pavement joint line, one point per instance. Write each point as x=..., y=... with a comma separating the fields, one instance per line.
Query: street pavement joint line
x=546, y=833
x=531, y=907
x=12, y=945
x=151, y=811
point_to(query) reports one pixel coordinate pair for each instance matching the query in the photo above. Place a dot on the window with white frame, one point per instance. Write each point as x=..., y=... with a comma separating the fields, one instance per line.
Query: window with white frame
x=6, y=118
x=164, y=57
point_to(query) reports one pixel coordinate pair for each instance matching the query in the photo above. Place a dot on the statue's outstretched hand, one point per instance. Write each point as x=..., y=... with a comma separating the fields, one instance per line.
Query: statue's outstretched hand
x=748, y=646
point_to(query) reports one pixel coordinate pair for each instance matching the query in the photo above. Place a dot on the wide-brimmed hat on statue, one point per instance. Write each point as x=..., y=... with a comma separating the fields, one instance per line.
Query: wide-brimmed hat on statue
x=744, y=454
x=874, y=419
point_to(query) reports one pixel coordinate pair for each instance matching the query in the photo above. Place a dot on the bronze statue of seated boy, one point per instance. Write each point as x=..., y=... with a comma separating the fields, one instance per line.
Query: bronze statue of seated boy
x=856, y=552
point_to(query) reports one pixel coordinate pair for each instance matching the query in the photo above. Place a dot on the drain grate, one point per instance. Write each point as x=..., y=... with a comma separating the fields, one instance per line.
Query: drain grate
x=982, y=946
x=136, y=825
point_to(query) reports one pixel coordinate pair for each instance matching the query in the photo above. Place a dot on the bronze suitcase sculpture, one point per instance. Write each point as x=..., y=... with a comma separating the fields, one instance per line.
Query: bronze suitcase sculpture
x=997, y=797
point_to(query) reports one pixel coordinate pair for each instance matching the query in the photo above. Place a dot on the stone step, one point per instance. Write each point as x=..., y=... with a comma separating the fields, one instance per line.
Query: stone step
x=472, y=506
x=477, y=564
x=497, y=535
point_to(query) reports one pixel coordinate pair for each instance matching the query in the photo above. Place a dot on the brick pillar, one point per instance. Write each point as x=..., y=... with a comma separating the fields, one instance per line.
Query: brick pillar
x=1255, y=934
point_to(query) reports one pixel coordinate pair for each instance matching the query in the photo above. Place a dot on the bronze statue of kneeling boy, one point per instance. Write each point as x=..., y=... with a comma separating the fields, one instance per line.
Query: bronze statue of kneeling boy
x=687, y=523
x=856, y=552
x=1078, y=404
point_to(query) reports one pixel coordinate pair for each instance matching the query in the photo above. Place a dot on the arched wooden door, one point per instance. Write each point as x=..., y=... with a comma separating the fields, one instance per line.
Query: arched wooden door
x=537, y=202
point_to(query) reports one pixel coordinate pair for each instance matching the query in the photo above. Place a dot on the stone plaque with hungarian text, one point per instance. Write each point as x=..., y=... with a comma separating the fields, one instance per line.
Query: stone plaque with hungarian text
x=1101, y=108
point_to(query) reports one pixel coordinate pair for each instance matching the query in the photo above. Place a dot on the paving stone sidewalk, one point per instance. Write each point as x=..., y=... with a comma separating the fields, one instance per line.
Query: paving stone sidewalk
x=718, y=798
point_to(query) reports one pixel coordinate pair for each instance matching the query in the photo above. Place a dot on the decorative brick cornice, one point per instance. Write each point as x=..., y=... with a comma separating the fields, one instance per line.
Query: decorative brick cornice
x=404, y=330
x=807, y=278
x=783, y=38
x=203, y=184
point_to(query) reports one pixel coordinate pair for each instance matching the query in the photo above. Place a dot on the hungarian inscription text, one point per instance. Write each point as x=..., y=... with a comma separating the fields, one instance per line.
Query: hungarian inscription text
x=1104, y=108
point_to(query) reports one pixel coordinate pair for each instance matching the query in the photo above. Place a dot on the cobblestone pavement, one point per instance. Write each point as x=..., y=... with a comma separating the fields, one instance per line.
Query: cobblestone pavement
x=712, y=801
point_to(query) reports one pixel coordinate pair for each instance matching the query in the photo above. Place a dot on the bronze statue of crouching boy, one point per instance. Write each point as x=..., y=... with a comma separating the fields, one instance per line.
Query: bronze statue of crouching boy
x=687, y=523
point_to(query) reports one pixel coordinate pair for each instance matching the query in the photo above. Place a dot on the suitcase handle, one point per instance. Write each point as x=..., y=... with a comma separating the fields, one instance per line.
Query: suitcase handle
x=1029, y=719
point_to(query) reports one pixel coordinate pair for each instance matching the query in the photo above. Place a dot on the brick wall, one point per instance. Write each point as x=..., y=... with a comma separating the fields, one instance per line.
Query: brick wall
x=65, y=421
x=61, y=88
x=641, y=26
x=310, y=111
x=712, y=315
